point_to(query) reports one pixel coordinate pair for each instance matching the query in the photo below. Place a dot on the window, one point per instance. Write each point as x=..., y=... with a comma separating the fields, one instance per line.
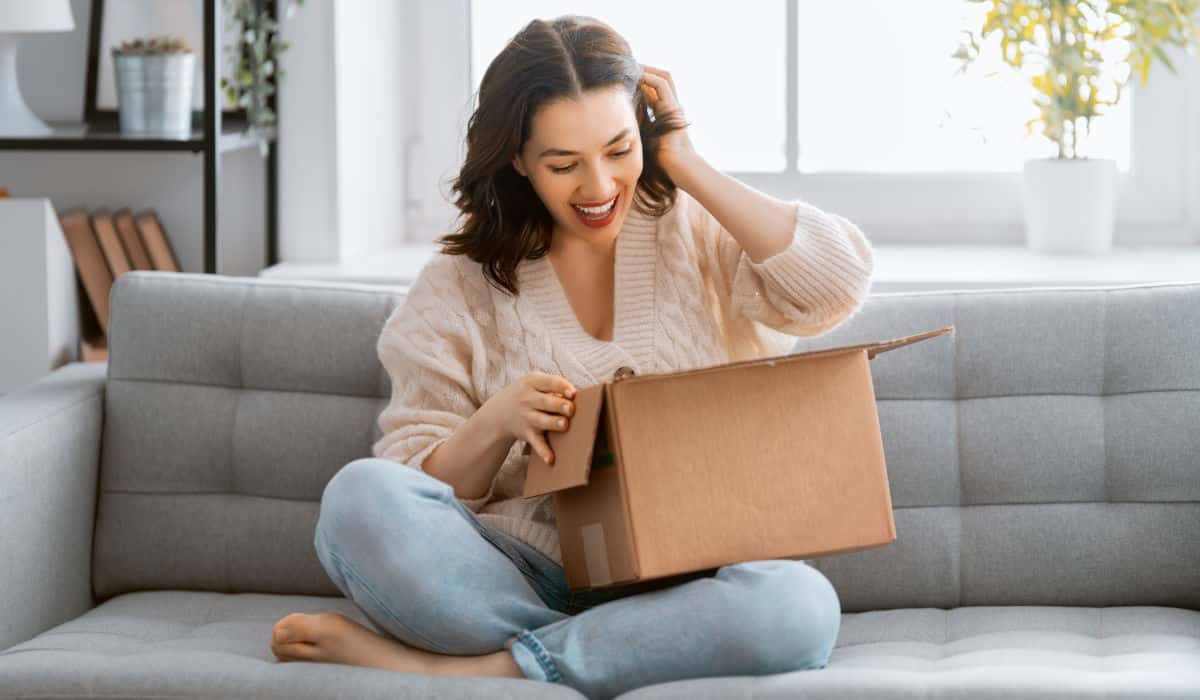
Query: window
x=877, y=89
x=736, y=104
x=859, y=108
x=880, y=92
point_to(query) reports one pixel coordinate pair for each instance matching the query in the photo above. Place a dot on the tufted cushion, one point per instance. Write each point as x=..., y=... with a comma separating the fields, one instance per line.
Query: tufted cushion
x=230, y=404
x=987, y=652
x=1041, y=455
x=177, y=644
x=1044, y=454
x=209, y=644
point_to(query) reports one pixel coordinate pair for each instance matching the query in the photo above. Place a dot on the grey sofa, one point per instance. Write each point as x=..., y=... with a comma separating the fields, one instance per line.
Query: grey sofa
x=156, y=513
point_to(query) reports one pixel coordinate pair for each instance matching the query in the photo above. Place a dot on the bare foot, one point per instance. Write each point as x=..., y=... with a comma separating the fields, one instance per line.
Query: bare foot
x=335, y=638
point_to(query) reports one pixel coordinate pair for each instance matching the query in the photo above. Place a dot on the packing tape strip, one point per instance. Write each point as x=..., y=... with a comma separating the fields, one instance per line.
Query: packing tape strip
x=595, y=554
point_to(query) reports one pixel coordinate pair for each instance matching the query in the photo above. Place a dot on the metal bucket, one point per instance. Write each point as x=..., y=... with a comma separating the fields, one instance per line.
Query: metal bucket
x=154, y=93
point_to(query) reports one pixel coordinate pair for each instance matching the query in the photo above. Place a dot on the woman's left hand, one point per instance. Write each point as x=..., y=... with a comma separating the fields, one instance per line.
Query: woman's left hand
x=675, y=147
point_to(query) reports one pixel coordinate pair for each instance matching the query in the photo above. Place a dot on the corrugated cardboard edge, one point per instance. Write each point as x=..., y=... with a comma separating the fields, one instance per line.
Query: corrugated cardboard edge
x=876, y=348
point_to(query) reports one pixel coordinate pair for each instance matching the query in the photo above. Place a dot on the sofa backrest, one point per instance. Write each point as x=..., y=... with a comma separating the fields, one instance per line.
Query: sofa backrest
x=230, y=404
x=1047, y=453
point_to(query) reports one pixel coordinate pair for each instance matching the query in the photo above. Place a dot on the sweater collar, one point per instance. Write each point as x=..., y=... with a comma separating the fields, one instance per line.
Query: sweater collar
x=634, y=289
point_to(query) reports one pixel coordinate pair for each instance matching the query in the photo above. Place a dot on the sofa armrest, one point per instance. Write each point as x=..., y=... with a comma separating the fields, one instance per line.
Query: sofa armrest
x=49, y=463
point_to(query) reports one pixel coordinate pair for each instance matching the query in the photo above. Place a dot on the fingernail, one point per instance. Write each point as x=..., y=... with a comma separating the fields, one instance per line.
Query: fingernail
x=285, y=636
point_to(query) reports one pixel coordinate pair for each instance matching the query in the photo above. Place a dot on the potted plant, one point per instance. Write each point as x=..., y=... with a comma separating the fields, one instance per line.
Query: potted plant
x=1069, y=200
x=254, y=65
x=154, y=86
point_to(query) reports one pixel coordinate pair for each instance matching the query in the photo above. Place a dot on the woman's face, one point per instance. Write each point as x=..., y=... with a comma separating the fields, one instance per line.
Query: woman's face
x=585, y=152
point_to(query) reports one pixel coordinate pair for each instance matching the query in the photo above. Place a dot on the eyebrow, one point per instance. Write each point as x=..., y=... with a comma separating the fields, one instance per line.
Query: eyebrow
x=561, y=152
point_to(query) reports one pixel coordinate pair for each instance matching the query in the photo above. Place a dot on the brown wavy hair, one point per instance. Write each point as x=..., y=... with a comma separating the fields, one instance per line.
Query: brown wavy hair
x=503, y=219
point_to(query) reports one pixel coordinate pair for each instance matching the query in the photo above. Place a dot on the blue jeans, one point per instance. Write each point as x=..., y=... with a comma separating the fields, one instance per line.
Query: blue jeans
x=422, y=566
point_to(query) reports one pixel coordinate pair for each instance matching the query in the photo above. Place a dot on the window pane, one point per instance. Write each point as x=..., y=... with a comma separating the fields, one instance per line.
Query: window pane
x=878, y=92
x=732, y=90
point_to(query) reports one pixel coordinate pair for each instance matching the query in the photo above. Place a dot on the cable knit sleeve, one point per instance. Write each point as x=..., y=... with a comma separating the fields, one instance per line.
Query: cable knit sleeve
x=817, y=282
x=428, y=348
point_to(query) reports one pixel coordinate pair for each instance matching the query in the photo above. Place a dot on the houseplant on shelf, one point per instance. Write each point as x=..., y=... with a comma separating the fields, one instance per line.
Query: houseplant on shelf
x=254, y=64
x=1069, y=201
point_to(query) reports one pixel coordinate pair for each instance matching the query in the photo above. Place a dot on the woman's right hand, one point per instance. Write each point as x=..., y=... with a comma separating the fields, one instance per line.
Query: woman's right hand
x=531, y=405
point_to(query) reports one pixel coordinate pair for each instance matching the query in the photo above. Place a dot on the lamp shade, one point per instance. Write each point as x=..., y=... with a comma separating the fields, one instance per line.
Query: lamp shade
x=36, y=16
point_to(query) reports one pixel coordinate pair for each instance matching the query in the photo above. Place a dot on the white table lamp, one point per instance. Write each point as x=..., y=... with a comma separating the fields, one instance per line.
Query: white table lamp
x=17, y=17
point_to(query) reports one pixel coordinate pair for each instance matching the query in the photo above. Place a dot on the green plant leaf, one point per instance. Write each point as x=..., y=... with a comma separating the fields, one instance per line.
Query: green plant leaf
x=1162, y=56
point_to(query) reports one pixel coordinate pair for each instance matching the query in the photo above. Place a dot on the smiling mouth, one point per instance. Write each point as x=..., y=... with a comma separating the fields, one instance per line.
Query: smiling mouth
x=597, y=213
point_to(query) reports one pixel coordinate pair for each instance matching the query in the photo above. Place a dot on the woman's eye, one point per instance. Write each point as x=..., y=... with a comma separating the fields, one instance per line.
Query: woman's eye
x=569, y=168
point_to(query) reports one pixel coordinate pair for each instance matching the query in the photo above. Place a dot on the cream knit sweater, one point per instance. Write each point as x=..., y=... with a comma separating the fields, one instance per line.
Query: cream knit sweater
x=686, y=296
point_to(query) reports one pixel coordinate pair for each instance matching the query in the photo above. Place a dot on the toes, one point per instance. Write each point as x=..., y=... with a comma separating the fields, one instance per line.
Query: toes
x=296, y=651
x=293, y=628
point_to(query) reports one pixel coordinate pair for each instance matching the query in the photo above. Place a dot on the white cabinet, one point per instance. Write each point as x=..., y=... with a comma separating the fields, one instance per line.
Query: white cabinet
x=39, y=296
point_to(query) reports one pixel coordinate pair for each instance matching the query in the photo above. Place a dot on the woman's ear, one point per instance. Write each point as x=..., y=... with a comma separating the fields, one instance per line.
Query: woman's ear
x=516, y=163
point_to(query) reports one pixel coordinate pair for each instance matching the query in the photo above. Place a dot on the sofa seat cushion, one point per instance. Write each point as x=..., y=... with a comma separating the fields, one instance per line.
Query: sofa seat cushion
x=988, y=652
x=183, y=644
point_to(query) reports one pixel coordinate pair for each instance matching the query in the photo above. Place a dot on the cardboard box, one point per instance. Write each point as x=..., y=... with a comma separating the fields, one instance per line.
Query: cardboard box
x=669, y=473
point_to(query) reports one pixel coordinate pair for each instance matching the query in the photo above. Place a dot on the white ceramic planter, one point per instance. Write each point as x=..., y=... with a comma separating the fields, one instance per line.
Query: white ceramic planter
x=1069, y=204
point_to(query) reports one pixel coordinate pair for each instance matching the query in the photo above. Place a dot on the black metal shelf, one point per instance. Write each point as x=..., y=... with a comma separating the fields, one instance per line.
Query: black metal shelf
x=214, y=132
x=70, y=136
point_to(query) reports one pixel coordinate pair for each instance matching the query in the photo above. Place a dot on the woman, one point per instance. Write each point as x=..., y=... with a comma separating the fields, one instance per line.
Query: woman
x=593, y=237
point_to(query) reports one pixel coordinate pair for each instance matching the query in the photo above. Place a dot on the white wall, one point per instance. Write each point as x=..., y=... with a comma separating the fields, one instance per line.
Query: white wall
x=307, y=126
x=369, y=75
x=441, y=84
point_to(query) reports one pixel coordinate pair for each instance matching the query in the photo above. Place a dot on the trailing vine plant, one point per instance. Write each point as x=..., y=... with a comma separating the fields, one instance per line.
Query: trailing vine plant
x=254, y=64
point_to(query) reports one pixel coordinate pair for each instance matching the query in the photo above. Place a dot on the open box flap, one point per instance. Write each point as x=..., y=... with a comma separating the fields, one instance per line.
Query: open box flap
x=876, y=348
x=572, y=449
x=872, y=349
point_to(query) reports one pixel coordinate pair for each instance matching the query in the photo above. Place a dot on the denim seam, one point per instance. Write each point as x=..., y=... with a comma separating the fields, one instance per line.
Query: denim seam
x=539, y=652
x=346, y=569
x=515, y=556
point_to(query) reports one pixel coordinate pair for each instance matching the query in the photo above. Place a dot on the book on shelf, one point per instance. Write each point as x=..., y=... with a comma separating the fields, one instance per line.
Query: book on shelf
x=110, y=243
x=139, y=259
x=154, y=236
x=105, y=246
x=90, y=263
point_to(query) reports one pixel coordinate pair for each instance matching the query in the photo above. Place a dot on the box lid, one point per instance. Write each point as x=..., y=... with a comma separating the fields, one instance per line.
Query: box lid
x=573, y=448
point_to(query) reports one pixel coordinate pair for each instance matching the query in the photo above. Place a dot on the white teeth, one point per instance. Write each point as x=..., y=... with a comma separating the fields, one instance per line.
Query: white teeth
x=597, y=211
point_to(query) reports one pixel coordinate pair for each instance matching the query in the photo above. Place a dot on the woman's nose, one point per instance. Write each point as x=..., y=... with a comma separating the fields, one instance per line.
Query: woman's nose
x=598, y=187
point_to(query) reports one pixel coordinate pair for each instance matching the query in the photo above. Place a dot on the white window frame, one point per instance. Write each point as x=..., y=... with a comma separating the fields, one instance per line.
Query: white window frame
x=1158, y=199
